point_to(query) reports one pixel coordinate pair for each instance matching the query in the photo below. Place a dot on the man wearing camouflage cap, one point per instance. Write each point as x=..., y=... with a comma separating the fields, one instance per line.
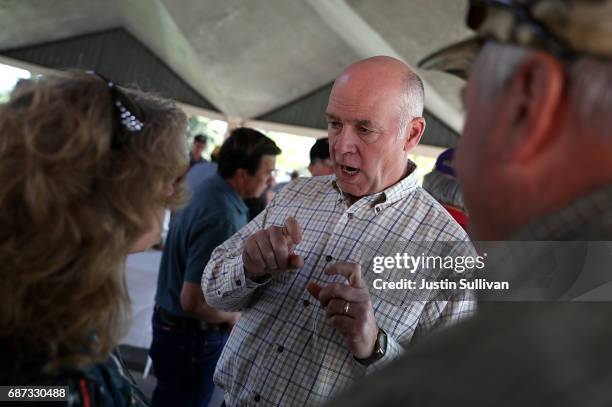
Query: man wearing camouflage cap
x=535, y=164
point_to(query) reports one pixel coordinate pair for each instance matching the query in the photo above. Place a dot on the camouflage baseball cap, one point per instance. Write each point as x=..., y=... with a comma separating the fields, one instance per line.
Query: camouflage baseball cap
x=565, y=28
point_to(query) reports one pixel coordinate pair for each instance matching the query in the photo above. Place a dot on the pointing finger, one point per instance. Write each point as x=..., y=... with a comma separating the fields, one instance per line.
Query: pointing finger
x=352, y=272
x=293, y=229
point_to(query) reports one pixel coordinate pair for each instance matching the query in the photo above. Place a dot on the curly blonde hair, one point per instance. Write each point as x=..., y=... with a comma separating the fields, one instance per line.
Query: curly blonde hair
x=72, y=207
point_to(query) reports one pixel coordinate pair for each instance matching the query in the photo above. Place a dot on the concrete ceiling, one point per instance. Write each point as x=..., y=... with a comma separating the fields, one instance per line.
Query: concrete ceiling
x=250, y=57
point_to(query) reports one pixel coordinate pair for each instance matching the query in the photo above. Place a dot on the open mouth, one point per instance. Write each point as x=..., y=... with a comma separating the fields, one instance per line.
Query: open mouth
x=350, y=171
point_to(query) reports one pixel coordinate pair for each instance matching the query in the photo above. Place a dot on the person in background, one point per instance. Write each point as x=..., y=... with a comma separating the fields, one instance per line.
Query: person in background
x=87, y=170
x=258, y=204
x=199, y=172
x=197, y=148
x=188, y=335
x=443, y=185
x=311, y=324
x=320, y=163
x=534, y=162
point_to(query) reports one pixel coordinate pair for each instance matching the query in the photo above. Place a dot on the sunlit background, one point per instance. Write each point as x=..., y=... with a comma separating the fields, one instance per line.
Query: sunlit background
x=294, y=147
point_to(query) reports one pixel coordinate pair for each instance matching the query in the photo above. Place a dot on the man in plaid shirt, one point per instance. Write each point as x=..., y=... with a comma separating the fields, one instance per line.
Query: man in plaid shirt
x=535, y=164
x=311, y=324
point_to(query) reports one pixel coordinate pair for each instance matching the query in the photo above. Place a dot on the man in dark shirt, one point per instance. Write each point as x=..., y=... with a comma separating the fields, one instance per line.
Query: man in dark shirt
x=188, y=335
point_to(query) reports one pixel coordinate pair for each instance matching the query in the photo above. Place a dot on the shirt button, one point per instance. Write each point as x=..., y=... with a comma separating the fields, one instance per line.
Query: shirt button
x=257, y=398
x=328, y=258
x=349, y=215
x=306, y=303
x=219, y=292
x=280, y=349
x=238, y=282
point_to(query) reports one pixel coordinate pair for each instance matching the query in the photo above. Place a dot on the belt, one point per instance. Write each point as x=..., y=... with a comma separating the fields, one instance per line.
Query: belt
x=188, y=323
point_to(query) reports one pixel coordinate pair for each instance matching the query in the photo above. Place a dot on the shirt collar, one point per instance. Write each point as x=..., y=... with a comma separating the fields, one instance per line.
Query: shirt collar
x=230, y=192
x=390, y=195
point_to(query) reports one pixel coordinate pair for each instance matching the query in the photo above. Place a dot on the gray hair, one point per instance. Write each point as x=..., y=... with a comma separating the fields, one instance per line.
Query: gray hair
x=590, y=79
x=412, y=102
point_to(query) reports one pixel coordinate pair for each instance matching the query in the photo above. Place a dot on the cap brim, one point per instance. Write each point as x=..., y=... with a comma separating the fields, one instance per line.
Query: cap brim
x=455, y=59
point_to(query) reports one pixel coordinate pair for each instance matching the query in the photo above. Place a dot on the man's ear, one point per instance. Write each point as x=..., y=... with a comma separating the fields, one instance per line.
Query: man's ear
x=415, y=130
x=535, y=95
x=240, y=175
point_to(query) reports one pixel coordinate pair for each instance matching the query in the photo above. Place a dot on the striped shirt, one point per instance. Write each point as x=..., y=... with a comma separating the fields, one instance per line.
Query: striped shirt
x=282, y=352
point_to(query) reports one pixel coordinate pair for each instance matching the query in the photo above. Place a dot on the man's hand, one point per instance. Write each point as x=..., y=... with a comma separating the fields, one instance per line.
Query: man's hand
x=349, y=308
x=270, y=251
x=194, y=304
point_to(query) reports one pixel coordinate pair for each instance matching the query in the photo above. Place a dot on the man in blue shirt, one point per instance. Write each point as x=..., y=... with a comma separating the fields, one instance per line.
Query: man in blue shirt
x=188, y=335
x=198, y=173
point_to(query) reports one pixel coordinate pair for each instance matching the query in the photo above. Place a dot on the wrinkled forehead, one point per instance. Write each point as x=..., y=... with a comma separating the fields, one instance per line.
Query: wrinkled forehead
x=368, y=82
x=357, y=99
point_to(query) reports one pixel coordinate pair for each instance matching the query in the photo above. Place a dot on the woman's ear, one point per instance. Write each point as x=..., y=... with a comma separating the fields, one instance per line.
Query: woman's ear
x=533, y=102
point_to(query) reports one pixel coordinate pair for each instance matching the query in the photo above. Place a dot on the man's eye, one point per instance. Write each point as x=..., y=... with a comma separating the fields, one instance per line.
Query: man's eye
x=364, y=130
x=334, y=125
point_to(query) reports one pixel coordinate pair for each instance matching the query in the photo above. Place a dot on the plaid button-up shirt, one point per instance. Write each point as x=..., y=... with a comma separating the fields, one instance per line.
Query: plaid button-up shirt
x=283, y=352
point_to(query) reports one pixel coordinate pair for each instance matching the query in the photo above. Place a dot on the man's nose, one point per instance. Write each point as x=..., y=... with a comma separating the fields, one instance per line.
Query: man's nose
x=344, y=142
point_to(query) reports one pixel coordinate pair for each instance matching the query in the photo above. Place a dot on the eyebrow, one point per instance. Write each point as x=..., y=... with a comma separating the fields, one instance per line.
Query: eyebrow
x=357, y=122
x=365, y=123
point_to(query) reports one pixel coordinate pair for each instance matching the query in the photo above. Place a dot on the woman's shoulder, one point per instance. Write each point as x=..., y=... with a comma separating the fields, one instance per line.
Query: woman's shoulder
x=100, y=384
x=103, y=384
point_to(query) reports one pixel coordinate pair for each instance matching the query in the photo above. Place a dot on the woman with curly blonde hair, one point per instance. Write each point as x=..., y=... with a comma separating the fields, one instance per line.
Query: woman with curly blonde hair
x=86, y=171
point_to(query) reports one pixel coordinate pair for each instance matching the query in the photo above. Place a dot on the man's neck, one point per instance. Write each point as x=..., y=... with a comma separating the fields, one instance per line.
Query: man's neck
x=236, y=186
x=410, y=167
x=351, y=199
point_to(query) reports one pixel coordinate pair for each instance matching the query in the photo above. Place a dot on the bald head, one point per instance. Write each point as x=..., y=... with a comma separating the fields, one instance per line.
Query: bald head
x=391, y=75
x=373, y=121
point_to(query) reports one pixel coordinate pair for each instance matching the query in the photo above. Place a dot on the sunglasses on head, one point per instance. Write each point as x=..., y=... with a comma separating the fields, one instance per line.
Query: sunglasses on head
x=128, y=118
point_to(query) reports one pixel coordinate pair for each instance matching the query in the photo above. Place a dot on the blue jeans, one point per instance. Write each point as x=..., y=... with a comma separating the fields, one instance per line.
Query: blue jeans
x=184, y=362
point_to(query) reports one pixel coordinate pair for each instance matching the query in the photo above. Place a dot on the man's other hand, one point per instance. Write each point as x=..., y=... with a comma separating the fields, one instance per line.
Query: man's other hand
x=349, y=308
